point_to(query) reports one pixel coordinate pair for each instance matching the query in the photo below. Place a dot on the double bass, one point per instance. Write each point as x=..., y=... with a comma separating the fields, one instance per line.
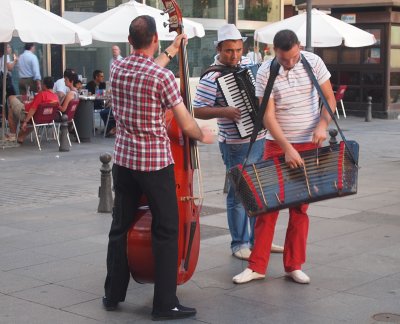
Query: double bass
x=185, y=154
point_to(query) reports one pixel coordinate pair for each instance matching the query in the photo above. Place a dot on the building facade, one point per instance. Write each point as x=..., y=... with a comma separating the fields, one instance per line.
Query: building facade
x=372, y=71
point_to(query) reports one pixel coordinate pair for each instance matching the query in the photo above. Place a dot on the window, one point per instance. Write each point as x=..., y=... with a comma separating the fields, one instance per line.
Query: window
x=395, y=58
x=330, y=56
x=196, y=9
x=395, y=79
x=351, y=56
x=395, y=35
x=254, y=10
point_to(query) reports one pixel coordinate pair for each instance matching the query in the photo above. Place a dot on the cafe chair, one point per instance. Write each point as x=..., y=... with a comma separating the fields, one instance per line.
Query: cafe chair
x=339, y=95
x=110, y=117
x=70, y=112
x=44, y=117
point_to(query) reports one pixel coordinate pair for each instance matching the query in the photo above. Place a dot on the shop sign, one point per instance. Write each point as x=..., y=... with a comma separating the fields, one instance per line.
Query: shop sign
x=348, y=18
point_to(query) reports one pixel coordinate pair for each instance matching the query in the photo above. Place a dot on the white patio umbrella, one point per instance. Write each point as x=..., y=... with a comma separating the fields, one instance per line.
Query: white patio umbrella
x=326, y=31
x=20, y=18
x=113, y=25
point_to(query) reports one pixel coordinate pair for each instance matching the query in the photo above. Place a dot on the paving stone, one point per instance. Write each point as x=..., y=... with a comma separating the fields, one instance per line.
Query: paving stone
x=54, y=296
x=348, y=307
x=15, y=310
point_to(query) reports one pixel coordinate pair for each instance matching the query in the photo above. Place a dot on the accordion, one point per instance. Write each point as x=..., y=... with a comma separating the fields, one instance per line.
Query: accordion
x=268, y=185
x=238, y=90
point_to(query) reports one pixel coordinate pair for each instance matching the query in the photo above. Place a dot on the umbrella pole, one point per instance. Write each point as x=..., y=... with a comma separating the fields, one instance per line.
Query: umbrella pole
x=3, y=99
x=308, y=27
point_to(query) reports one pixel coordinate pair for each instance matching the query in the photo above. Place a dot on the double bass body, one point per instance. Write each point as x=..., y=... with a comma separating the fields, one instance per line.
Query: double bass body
x=139, y=249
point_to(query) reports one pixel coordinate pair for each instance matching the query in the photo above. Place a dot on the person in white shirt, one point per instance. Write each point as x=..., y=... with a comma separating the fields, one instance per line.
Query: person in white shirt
x=116, y=54
x=10, y=65
x=59, y=86
x=255, y=55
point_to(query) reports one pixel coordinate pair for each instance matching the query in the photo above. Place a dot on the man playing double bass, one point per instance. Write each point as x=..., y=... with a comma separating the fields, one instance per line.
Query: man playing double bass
x=142, y=91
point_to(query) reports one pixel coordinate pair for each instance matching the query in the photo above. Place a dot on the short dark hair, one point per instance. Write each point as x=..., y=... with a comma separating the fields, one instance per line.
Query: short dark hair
x=285, y=39
x=28, y=46
x=96, y=73
x=48, y=82
x=67, y=70
x=71, y=76
x=142, y=30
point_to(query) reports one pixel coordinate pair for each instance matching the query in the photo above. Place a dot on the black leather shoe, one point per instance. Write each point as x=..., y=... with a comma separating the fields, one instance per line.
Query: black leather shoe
x=175, y=313
x=109, y=305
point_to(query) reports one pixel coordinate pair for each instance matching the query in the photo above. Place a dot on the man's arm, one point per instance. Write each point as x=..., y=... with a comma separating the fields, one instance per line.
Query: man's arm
x=189, y=126
x=319, y=134
x=292, y=157
x=172, y=50
x=217, y=112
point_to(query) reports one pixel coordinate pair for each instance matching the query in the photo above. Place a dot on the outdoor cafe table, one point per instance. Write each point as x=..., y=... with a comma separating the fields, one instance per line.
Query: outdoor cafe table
x=84, y=120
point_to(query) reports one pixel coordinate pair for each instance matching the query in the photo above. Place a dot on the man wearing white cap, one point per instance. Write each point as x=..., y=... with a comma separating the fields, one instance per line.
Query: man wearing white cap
x=209, y=103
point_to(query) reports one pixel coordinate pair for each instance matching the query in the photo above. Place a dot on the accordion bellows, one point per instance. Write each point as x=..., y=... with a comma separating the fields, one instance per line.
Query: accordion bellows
x=269, y=185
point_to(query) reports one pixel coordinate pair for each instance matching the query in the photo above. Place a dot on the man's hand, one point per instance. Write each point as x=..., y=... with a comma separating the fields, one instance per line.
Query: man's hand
x=173, y=49
x=24, y=126
x=293, y=158
x=208, y=135
x=319, y=135
x=38, y=85
x=232, y=113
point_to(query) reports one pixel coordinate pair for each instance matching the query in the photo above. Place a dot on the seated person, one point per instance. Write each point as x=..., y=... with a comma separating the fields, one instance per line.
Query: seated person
x=70, y=79
x=24, y=112
x=78, y=85
x=60, y=88
x=97, y=84
x=99, y=104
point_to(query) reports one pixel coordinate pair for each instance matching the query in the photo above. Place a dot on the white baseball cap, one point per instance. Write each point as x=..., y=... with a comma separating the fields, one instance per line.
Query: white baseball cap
x=228, y=32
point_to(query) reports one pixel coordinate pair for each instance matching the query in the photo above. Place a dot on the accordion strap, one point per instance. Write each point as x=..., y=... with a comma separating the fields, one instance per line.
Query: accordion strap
x=326, y=104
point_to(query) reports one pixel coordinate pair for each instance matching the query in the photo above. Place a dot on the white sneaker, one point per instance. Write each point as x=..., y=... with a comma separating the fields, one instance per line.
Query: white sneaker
x=246, y=276
x=243, y=254
x=276, y=248
x=299, y=276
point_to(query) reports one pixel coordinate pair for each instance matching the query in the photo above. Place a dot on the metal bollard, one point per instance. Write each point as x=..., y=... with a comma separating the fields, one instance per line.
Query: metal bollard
x=368, y=115
x=333, y=133
x=105, y=194
x=63, y=136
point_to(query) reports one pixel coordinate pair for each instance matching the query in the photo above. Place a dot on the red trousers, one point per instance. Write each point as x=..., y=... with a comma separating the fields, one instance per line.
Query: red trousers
x=294, y=254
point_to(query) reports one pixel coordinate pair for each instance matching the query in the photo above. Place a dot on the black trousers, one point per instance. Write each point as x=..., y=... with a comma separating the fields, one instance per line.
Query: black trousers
x=159, y=188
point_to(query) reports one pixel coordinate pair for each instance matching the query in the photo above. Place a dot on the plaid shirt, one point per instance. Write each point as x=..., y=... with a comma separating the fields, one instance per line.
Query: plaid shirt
x=141, y=93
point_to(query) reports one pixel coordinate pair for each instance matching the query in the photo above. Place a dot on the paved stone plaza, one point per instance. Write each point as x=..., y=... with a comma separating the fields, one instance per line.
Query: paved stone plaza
x=53, y=244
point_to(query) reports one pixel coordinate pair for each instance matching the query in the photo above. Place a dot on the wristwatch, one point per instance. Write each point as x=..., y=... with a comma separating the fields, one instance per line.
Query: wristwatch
x=168, y=55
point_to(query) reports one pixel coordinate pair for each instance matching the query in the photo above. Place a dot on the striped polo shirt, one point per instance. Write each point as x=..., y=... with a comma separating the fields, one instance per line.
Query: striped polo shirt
x=208, y=94
x=296, y=99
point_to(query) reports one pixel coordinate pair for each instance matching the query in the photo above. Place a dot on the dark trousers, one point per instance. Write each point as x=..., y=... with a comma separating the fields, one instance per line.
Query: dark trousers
x=24, y=83
x=159, y=188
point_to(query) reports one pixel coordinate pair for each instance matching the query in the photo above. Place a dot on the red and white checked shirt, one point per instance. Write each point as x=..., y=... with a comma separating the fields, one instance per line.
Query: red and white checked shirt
x=141, y=93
